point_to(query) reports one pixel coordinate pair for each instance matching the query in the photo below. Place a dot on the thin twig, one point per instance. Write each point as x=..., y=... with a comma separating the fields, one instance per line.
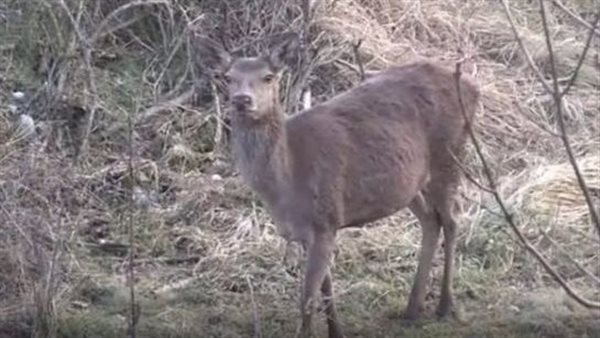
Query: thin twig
x=131, y=268
x=306, y=95
x=525, y=51
x=531, y=119
x=225, y=31
x=556, y=94
x=509, y=218
x=175, y=286
x=218, y=137
x=86, y=44
x=299, y=80
x=157, y=108
x=482, y=205
x=307, y=99
x=17, y=226
x=565, y=253
x=118, y=26
x=101, y=30
x=577, y=18
x=86, y=51
x=467, y=173
x=174, y=49
x=588, y=43
x=255, y=317
x=167, y=260
x=361, y=69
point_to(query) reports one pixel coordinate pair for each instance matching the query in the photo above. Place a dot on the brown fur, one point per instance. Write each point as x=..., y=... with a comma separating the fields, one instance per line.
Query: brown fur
x=363, y=155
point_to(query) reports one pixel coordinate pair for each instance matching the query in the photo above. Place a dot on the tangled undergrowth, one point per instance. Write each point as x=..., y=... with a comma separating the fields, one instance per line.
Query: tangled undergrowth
x=208, y=261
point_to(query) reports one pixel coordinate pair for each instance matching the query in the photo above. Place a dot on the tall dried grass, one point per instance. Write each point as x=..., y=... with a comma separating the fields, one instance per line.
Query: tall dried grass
x=62, y=212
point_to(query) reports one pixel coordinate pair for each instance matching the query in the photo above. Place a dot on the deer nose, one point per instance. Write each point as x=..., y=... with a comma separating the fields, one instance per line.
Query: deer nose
x=242, y=101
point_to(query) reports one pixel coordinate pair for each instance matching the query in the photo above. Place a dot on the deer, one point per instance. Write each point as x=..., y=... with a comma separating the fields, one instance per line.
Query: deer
x=390, y=142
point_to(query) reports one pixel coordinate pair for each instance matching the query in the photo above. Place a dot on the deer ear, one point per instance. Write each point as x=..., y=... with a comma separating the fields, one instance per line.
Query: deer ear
x=212, y=55
x=284, y=51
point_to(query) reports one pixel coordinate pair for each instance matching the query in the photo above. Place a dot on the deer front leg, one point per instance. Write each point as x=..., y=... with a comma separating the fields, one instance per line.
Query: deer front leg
x=318, y=255
x=431, y=233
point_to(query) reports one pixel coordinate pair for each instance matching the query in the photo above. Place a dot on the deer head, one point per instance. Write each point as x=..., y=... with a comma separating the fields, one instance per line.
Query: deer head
x=252, y=82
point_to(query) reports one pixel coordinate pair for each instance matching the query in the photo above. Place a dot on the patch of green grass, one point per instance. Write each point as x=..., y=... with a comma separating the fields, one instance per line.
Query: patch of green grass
x=92, y=324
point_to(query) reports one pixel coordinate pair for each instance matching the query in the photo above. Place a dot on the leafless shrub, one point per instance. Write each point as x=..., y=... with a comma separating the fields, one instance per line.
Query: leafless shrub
x=557, y=95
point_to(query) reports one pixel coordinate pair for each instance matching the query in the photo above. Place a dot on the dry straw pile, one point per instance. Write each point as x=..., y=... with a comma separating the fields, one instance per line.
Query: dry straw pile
x=208, y=259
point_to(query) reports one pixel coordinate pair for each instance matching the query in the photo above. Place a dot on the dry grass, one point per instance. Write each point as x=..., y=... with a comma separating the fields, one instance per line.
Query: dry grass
x=203, y=241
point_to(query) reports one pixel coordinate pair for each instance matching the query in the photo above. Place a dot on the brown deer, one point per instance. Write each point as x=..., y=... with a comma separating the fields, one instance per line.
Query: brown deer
x=387, y=144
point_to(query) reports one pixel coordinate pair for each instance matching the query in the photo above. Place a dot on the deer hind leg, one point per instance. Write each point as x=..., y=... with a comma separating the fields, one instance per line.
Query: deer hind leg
x=445, y=183
x=332, y=322
x=429, y=242
x=319, y=252
x=447, y=299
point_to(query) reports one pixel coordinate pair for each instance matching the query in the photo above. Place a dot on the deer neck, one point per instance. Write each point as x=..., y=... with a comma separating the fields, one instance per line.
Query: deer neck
x=262, y=155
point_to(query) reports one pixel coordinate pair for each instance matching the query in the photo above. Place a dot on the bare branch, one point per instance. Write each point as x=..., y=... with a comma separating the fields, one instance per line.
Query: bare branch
x=592, y=28
x=588, y=43
x=174, y=49
x=348, y=65
x=307, y=99
x=217, y=103
x=255, y=317
x=157, y=108
x=130, y=269
x=509, y=218
x=299, y=81
x=174, y=286
x=166, y=260
x=539, y=124
x=116, y=27
x=86, y=45
x=530, y=61
x=556, y=94
x=86, y=50
x=468, y=175
x=550, y=50
x=361, y=69
x=570, y=258
x=306, y=13
x=102, y=27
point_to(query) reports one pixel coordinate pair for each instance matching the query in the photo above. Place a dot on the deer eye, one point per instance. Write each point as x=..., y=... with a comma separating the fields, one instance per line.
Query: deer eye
x=268, y=78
